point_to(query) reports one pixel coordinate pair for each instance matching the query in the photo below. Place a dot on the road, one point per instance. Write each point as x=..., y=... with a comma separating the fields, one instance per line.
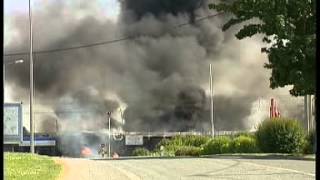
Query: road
x=187, y=169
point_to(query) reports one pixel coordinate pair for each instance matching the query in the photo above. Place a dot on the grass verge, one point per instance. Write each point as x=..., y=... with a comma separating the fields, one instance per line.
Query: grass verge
x=26, y=166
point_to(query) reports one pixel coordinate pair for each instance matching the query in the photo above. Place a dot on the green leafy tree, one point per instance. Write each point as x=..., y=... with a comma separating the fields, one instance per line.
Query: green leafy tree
x=289, y=29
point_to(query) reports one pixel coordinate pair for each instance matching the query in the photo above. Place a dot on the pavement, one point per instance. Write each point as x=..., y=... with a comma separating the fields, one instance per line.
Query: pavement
x=233, y=166
x=309, y=157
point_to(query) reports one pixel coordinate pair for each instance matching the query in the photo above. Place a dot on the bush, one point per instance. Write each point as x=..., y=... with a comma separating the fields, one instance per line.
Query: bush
x=244, y=144
x=187, y=151
x=189, y=140
x=309, y=143
x=172, y=145
x=280, y=135
x=141, y=152
x=217, y=145
x=247, y=134
x=195, y=140
x=163, y=142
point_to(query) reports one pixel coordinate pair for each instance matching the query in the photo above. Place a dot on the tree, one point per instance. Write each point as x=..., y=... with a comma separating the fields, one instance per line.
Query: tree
x=289, y=29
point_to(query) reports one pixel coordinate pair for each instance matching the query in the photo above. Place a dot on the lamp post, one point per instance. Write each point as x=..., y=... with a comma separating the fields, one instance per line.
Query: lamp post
x=31, y=82
x=109, y=144
x=211, y=101
x=4, y=72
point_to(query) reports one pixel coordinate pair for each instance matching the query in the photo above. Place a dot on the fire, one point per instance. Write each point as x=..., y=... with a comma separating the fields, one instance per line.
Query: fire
x=86, y=152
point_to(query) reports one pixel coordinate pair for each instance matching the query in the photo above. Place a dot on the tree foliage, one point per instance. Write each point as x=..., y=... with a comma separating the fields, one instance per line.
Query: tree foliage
x=289, y=29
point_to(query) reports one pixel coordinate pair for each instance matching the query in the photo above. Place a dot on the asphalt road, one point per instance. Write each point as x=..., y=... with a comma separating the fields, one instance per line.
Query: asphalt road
x=190, y=169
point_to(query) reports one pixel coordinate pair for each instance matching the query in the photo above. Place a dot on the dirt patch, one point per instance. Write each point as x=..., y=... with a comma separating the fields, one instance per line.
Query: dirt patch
x=84, y=169
x=73, y=168
x=64, y=167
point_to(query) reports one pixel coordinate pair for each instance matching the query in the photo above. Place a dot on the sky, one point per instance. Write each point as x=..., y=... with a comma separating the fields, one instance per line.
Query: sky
x=106, y=9
x=12, y=7
x=15, y=6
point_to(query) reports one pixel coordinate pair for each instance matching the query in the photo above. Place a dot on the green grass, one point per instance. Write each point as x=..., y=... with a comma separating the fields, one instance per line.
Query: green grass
x=25, y=166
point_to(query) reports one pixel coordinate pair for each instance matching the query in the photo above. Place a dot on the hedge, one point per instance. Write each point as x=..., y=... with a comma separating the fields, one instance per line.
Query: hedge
x=218, y=145
x=309, y=146
x=188, y=151
x=244, y=144
x=280, y=135
x=141, y=152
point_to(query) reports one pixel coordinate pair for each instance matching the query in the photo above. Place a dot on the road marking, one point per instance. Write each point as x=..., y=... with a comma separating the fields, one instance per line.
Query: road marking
x=279, y=168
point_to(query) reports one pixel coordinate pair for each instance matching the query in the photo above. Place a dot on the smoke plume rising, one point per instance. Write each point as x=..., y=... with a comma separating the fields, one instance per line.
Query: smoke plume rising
x=158, y=77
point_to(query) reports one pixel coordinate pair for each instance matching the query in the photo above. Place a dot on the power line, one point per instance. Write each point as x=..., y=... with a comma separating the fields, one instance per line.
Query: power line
x=101, y=43
x=199, y=19
x=71, y=48
x=64, y=112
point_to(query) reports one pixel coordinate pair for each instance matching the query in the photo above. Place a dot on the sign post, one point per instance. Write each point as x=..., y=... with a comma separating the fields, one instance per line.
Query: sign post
x=134, y=140
x=12, y=123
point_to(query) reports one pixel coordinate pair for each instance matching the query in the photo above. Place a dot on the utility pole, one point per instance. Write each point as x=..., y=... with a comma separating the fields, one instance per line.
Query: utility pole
x=310, y=112
x=306, y=112
x=109, y=144
x=4, y=81
x=315, y=126
x=211, y=101
x=31, y=83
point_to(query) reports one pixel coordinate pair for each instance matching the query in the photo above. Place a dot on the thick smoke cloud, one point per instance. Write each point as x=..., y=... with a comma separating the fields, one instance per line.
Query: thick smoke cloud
x=141, y=8
x=159, y=77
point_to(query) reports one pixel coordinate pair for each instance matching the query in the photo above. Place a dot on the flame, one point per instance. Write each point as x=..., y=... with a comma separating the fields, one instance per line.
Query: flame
x=86, y=152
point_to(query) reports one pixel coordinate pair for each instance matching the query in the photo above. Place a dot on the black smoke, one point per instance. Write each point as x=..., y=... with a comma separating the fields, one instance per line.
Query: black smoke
x=160, y=72
x=161, y=8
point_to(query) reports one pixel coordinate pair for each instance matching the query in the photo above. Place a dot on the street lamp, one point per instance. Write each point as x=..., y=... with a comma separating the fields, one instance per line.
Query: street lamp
x=31, y=83
x=211, y=101
x=4, y=71
x=109, y=144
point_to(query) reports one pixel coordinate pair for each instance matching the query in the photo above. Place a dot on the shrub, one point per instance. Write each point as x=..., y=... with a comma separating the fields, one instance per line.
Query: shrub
x=195, y=140
x=187, y=151
x=247, y=134
x=189, y=140
x=163, y=142
x=217, y=145
x=309, y=143
x=244, y=144
x=172, y=145
x=141, y=152
x=280, y=135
